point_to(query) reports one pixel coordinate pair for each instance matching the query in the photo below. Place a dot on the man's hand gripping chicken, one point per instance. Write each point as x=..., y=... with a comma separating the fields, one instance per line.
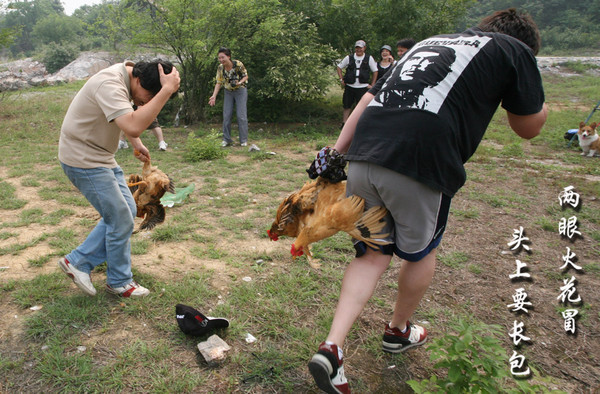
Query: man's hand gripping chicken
x=320, y=209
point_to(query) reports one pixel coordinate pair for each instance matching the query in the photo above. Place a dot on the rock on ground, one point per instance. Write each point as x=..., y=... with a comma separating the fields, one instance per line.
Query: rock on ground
x=26, y=73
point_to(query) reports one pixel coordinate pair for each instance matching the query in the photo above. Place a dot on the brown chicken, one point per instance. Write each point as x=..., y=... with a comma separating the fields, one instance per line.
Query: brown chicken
x=321, y=209
x=147, y=191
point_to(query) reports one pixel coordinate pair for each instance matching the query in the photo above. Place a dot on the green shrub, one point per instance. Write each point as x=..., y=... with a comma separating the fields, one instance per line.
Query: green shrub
x=57, y=56
x=206, y=147
x=475, y=360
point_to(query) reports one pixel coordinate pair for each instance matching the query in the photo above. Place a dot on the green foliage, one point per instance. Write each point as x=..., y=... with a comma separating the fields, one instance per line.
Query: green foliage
x=57, y=56
x=280, y=49
x=474, y=359
x=289, y=47
x=564, y=25
x=8, y=35
x=206, y=147
x=58, y=29
x=23, y=17
x=382, y=22
x=288, y=71
x=108, y=21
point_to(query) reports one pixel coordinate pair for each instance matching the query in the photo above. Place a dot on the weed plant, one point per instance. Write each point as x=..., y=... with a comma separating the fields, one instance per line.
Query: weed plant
x=205, y=147
x=474, y=361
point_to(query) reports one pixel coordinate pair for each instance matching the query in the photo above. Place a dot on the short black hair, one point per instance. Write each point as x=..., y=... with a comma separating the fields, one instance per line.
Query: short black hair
x=517, y=24
x=224, y=50
x=406, y=43
x=148, y=74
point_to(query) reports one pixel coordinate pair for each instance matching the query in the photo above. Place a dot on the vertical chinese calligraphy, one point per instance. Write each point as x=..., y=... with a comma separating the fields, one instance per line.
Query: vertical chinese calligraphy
x=568, y=228
x=518, y=367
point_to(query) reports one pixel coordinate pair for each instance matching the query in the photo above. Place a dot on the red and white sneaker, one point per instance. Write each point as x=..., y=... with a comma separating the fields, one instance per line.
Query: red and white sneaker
x=394, y=341
x=131, y=289
x=328, y=370
x=83, y=280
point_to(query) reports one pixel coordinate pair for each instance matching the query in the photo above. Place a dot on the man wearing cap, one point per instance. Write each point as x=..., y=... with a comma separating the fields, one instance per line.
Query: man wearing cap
x=357, y=80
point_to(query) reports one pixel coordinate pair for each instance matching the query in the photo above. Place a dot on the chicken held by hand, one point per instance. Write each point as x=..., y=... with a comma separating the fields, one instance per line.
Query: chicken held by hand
x=321, y=209
x=147, y=191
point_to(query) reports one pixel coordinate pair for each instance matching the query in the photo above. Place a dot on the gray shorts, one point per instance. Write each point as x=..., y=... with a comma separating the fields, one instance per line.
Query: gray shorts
x=417, y=213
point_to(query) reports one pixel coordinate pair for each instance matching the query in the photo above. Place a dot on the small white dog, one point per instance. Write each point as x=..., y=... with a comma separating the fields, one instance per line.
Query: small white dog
x=588, y=139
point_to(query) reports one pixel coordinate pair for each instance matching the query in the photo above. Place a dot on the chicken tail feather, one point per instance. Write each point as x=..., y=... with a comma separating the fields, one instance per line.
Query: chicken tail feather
x=171, y=187
x=155, y=214
x=368, y=227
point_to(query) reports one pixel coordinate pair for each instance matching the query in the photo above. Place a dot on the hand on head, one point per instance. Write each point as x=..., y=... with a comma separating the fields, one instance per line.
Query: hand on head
x=169, y=81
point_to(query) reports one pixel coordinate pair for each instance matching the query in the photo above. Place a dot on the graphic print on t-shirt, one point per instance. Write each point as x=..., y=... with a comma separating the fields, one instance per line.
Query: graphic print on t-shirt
x=427, y=73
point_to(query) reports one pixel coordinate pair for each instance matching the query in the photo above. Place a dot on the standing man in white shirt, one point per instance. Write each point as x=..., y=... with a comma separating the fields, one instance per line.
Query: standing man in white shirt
x=361, y=74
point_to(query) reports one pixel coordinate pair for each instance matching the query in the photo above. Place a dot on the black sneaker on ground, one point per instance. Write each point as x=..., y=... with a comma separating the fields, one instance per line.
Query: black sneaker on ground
x=328, y=370
x=394, y=341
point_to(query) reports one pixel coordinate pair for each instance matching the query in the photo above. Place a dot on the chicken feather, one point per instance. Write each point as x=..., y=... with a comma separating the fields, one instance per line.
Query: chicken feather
x=321, y=209
x=147, y=191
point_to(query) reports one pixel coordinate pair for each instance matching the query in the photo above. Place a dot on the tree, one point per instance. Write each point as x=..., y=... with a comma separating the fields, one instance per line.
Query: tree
x=564, y=25
x=59, y=29
x=109, y=23
x=341, y=22
x=22, y=16
x=280, y=49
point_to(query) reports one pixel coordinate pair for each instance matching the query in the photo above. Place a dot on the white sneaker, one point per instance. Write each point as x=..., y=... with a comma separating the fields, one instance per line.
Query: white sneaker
x=123, y=144
x=225, y=143
x=162, y=145
x=244, y=144
x=131, y=289
x=81, y=279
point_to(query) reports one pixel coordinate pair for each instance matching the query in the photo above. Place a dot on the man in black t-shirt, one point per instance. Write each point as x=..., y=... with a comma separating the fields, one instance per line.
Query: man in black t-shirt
x=407, y=141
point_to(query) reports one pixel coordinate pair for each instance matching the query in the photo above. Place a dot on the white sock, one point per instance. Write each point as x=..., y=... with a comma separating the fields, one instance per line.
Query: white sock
x=402, y=331
x=340, y=352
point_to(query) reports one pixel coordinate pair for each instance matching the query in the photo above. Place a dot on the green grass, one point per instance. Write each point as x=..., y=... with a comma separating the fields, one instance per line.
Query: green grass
x=578, y=67
x=454, y=259
x=7, y=197
x=217, y=237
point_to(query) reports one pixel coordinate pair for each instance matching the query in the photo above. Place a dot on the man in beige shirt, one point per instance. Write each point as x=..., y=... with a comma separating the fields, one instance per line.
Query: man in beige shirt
x=89, y=138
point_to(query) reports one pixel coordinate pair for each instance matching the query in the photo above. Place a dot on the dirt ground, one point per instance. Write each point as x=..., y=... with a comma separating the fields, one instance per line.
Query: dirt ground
x=482, y=285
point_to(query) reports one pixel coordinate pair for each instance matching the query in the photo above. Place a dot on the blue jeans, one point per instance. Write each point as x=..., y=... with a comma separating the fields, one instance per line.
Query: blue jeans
x=107, y=191
x=240, y=98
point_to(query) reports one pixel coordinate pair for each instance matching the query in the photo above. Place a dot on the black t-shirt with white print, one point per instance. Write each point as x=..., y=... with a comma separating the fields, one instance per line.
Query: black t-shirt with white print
x=431, y=111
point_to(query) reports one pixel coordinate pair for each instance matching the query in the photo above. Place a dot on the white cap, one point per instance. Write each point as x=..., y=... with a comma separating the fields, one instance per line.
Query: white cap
x=360, y=43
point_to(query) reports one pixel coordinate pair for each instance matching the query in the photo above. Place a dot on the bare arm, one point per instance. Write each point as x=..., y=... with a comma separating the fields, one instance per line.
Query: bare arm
x=374, y=79
x=528, y=126
x=213, y=99
x=345, y=139
x=339, y=72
